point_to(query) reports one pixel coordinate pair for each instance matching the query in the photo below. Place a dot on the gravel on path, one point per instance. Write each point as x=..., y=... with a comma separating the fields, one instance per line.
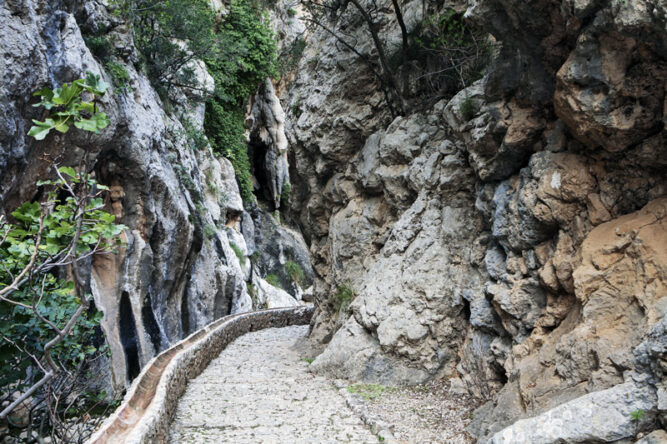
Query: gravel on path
x=423, y=414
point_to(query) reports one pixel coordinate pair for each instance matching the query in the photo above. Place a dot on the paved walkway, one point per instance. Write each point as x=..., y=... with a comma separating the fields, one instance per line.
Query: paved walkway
x=259, y=391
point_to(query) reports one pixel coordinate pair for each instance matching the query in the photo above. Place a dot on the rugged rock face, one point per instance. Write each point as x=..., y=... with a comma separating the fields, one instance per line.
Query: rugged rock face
x=178, y=270
x=517, y=247
x=268, y=143
x=511, y=238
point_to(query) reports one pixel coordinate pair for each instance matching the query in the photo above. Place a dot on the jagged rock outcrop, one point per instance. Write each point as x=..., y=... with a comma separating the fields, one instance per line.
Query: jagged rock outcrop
x=409, y=272
x=508, y=237
x=177, y=271
x=511, y=238
x=268, y=143
x=179, y=268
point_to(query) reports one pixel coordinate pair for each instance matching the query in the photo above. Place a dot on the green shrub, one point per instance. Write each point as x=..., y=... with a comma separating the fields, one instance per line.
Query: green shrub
x=239, y=49
x=248, y=57
x=344, y=297
x=295, y=108
x=161, y=27
x=119, y=75
x=224, y=126
x=209, y=231
x=284, y=195
x=100, y=47
x=467, y=108
x=196, y=137
x=273, y=280
x=238, y=252
x=291, y=12
x=294, y=271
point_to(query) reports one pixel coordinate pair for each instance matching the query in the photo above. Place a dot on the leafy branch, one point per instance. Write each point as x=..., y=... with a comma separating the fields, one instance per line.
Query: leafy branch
x=58, y=232
x=67, y=107
x=46, y=320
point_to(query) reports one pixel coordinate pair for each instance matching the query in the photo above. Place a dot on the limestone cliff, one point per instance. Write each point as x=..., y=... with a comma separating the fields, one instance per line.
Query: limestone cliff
x=189, y=254
x=510, y=238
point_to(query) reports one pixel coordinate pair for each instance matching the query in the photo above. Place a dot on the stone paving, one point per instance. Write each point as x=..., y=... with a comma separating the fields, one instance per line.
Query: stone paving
x=259, y=391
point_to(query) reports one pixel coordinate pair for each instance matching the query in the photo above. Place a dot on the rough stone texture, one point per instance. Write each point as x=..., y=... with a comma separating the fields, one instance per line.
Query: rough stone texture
x=424, y=414
x=146, y=412
x=271, y=245
x=406, y=305
x=603, y=415
x=175, y=278
x=657, y=437
x=482, y=244
x=259, y=390
x=611, y=89
x=268, y=143
x=177, y=272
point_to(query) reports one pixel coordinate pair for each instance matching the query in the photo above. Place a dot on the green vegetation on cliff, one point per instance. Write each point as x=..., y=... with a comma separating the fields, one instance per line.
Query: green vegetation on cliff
x=48, y=322
x=238, y=47
x=246, y=59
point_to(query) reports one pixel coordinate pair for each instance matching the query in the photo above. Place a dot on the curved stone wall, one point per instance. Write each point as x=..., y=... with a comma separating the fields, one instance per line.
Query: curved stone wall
x=146, y=411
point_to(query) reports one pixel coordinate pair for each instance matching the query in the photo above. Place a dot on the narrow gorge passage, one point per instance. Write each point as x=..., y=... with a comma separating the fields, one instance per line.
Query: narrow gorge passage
x=259, y=390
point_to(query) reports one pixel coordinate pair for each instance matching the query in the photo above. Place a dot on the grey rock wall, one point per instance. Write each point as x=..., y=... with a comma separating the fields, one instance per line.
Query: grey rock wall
x=177, y=271
x=502, y=246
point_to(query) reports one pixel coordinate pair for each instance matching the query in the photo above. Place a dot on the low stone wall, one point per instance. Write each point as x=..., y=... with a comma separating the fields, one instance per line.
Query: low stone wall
x=147, y=409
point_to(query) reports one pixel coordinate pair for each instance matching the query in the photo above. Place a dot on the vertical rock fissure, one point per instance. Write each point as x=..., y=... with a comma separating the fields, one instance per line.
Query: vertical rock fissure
x=150, y=324
x=128, y=337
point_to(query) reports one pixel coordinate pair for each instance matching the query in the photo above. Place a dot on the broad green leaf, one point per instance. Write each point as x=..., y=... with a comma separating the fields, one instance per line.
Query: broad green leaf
x=40, y=130
x=94, y=124
x=94, y=84
x=67, y=93
x=46, y=95
x=28, y=212
x=61, y=124
x=69, y=171
x=87, y=106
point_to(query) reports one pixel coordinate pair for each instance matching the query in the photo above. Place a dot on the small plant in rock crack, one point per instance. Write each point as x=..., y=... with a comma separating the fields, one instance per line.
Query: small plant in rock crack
x=295, y=271
x=284, y=195
x=308, y=360
x=238, y=252
x=637, y=415
x=119, y=75
x=209, y=231
x=344, y=297
x=467, y=108
x=66, y=107
x=273, y=280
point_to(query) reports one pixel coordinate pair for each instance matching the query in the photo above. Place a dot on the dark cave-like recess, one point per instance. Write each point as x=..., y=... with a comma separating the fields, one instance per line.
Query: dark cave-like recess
x=128, y=337
x=150, y=324
x=185, y=315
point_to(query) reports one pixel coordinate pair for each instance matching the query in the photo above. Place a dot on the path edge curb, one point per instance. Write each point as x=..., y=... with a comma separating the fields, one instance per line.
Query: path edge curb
x=146, y=411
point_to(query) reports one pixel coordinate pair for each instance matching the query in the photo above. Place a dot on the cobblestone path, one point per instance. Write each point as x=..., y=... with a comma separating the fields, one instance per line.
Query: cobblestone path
x=259, y=391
